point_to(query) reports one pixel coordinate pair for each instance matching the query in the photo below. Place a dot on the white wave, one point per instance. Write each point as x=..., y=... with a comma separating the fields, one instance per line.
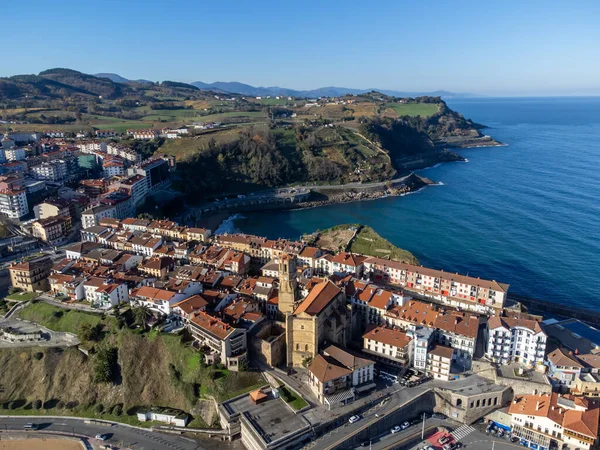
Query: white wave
x=228, y=225
x=466, y=160
x=439, y=183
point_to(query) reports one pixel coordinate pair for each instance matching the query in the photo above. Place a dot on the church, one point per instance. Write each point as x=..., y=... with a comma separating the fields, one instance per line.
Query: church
x=321, y=319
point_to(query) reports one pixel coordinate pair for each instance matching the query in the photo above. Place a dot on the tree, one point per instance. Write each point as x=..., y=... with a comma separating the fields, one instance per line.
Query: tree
x=89, y=332
x=141, y=315
x=37, y=404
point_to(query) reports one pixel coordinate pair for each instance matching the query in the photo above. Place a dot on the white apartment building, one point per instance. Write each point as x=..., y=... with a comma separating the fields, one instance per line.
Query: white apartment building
x=13, y=203
x=519, y=340
x=56, y=170
x=15, y=154
x=91, y=146
x=92, y=216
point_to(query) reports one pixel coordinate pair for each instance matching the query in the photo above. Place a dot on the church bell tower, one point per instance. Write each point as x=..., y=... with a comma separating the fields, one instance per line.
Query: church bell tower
x=287, y=284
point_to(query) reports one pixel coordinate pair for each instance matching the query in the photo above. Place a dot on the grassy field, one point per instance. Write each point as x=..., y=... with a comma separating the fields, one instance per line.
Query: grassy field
x=233, y=114
x=290, y=397
x=60, y=319
x=22, y=296
x=275, y=101
x=185, y=147
x=368, y=242
x=414, y=109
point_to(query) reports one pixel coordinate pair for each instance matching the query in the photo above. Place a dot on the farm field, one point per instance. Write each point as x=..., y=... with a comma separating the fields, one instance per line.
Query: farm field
x=413, y=109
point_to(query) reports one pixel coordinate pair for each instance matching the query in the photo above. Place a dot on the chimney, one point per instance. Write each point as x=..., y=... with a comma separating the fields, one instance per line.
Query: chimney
x=515, y=401
x=537, y=405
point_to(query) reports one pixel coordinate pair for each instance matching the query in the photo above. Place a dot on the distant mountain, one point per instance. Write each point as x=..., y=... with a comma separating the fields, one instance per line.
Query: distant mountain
x=116, y=78
x=235, y=87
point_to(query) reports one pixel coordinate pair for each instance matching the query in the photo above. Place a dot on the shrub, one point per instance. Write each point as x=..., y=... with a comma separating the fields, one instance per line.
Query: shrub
x=117, y=410
x=38, y=355
x=57, y=314
x=12, y=405
x=37, y=404
x=99, y=408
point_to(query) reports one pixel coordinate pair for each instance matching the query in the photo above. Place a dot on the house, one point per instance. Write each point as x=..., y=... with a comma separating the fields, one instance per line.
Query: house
x=70, y=286
x=105, y=293
x=51, y=208
x=236, y=262
x=145, y=134
x=346, y=263
x=308, y=256
x=563, y=367
x=105, y=133
x=185, y=309
x=439, y=361
x=51, y=229
x=222, y=342
x=157, y=267
x=388, y=345
x=92, y=216
x=551, y=420
x=335, y=376
x=162, y=301
x=513, y=339
x=77, y=250
x=31, y=275
x=197, y=234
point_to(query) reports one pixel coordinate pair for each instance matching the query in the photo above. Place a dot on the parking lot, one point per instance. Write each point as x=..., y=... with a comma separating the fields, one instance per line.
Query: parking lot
x=49, y=338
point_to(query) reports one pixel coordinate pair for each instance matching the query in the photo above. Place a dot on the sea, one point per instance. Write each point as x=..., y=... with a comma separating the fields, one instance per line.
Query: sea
x=527, y=213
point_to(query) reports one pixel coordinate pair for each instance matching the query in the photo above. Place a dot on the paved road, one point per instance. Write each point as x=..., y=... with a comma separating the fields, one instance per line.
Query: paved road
x=398, y=397
x=52, y=338
x=120, y=435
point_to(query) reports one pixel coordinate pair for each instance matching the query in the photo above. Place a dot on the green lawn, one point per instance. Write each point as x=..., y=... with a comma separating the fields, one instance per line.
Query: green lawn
x=60, y=319
x=22, y=296
x=290, y=397
x=219, y=117
x=231, y=394
x=414, y=109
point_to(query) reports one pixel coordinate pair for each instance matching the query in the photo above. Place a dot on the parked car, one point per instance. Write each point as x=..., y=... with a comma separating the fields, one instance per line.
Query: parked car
x=443, y=440
x=354, y=419
x=447, y=447
x=30, y=426
x=405, y=425
x=396, y=429
x=101, y=437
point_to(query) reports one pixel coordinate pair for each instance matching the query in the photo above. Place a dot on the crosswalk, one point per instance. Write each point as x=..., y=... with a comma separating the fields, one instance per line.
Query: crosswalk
x=462, y=431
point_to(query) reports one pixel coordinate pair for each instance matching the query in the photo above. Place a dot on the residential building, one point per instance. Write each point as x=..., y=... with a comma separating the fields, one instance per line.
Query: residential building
x=13, y=203
x=51, y=208
x=544, y=421
x=511, y=339
x=157, y=267
x=143, y=134
x=92, y=216
x=70, y=286
x=388, y=345
x=105, y=133
x=51, y=229
x=136, y=186
x=439, y=361
x=221, y=342
x=15, y=154
x=335, y=376
x=105, y=293
x=457, y=291
x=31, y=275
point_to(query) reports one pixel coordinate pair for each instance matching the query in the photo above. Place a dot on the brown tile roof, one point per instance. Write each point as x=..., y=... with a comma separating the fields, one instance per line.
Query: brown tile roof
x=508, y=323
x=415, y=312
x=348, y=259
x=327, y=369
x=458, y=323
x=463, y=279
x=191, y=304
x=319, y=297
x=550, y=406
x=442, y=351
x=349, y=360
x=211, y=324
x=381, y=299
x=560, y=357
x=590, y=360
x=152, y=294
x=388, y=336
x=309, y=252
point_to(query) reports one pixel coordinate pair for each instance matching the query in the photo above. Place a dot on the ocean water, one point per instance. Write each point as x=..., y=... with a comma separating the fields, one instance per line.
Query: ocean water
x=527, y=214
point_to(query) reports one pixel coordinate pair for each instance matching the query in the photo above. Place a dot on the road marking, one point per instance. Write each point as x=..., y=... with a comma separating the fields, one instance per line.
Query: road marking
x=462, y=432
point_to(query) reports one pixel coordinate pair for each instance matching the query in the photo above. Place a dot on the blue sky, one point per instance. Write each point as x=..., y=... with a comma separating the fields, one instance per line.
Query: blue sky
x=508, y=48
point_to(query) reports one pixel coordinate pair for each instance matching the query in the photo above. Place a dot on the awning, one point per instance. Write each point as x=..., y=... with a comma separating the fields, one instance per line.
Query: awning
x=339, y=397
x=366, y=387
